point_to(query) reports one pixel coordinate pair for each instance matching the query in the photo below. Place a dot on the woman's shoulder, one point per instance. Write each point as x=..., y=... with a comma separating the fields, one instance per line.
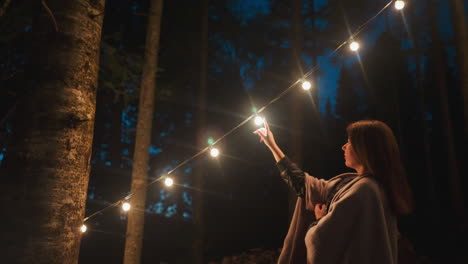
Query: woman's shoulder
x=366, y=185
x=343, y=175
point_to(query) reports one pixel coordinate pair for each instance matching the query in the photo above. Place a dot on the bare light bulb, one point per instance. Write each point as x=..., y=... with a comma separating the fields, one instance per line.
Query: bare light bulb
x=354, y=46
x=214, y=152
x=83, y=228
x=126, y=206
x=169, y=182
x=399, y=5
x=258, y=120
x=306, y=85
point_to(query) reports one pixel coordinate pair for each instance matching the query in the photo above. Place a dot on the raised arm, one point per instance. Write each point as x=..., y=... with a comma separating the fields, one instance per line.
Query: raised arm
x=302, y=183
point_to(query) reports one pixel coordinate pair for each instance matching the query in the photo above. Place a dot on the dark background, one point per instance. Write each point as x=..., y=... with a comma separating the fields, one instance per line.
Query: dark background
x=393, y=78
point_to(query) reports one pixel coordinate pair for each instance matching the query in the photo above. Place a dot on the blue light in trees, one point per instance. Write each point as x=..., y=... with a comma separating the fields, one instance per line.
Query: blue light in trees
x=125, y=152
x=186, y=215
x=153, y=150
x=171, y=210
x=285, y=44
x=245, y=10
x=187, y=198
x=188, y=119
x=135, y=7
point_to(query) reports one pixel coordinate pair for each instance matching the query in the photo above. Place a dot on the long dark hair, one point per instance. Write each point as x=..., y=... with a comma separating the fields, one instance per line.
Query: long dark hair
x=377, y=149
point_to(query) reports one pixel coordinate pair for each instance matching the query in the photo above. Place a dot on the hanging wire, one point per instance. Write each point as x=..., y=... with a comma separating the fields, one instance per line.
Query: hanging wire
x=279, y=96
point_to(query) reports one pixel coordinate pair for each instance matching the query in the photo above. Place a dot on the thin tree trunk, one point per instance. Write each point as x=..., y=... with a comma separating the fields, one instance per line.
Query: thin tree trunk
x=47, y=169
x=135, y=224
x=198, y=245
x=428, y=173
x=446, y=123
x=461, y=40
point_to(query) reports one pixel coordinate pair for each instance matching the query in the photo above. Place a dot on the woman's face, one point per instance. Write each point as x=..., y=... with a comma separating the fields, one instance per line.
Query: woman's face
x=351, y=161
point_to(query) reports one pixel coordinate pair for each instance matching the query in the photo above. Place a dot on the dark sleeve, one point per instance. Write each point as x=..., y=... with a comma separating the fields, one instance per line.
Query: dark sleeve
x=292, y=175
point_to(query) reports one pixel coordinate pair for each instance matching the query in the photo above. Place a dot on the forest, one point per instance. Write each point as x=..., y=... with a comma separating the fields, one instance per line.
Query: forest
x=102, y=101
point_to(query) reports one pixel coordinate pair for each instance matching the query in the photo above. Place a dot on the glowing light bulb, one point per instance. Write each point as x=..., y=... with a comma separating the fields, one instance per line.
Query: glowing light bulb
x=214, y=152
x=399, y=5
x=354, y=46
x=126, y=206
x=258, y=120
x=306, y=85
x=169, y=182
x=83, y=228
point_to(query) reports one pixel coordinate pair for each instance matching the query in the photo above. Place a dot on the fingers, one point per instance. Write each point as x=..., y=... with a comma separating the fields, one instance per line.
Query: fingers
x=259, y=133
x=320, y=207
x=267, y=128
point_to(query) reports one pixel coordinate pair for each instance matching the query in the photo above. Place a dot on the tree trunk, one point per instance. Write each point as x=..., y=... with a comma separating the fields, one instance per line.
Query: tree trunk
x=46, y=171
x=461, y=44
x=135, y=224
x=198, y=245
x=446, y=123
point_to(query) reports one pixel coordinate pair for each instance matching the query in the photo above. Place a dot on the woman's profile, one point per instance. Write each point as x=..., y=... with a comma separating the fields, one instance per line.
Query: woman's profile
x=350, y=218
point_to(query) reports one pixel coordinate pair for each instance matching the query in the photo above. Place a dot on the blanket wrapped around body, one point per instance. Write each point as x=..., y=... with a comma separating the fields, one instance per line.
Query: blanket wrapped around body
x=358, y=228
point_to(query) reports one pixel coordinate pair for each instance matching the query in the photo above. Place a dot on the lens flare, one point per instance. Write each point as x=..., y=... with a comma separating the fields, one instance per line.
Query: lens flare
x=354, y=46
x=169, y=182
x=126, y=206
x=306, y=85
x=399, y=5
x=258, y=120
x=214, y=152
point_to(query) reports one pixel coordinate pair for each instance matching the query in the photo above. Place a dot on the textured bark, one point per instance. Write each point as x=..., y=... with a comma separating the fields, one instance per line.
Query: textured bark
x=198, y=245
x=461, y=44
x=135, y=224
x=47, y=168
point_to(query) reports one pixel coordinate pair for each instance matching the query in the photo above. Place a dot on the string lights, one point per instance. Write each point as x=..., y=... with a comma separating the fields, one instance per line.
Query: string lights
x=168, y=181
x=214, y=152
x=399, y=5
x=306, y=85
x=354, y=46
x=126, y=206
x=258, y=120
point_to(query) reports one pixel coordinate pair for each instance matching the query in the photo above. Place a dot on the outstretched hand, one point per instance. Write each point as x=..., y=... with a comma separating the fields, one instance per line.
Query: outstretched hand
x=265, y=135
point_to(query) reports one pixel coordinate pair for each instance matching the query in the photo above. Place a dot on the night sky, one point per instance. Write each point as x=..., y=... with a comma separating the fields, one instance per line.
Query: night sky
x=249, y=59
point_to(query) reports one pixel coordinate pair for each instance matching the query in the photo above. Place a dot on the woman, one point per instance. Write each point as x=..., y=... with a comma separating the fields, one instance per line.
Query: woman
x=350, y=218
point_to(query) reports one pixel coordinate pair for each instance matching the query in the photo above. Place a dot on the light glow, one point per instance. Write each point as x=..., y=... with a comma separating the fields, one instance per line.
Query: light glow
x=126, y=206
x=83, y=228
x=258, y=120
x=214, y=152
x=399, y=5
x=354, y=46
x=169, y=182
x=306, y=85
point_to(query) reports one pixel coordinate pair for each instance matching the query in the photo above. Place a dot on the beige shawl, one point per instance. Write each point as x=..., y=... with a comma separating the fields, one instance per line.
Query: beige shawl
x=358, y=228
